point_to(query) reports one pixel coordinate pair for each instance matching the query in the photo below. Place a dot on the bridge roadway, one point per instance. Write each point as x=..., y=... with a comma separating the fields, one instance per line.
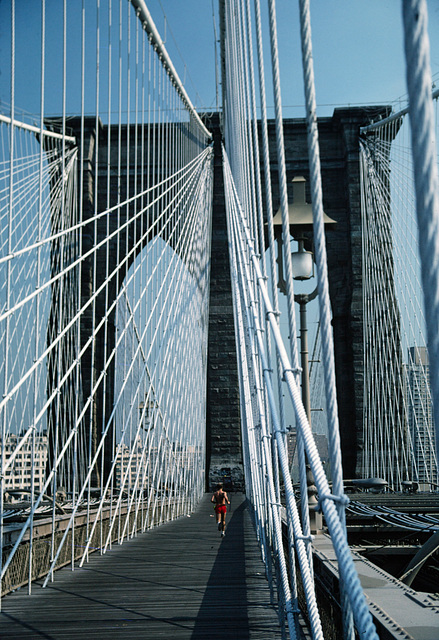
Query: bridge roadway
x=179, y=580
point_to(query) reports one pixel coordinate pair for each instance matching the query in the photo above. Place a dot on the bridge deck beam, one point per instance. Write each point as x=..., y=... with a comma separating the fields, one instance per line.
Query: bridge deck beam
x=399, y=613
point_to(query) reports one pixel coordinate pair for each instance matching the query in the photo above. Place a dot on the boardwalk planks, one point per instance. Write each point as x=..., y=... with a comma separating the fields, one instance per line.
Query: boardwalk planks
x=179, y=581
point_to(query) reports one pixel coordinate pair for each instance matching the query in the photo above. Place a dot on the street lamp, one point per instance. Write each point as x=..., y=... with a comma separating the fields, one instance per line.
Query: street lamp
x=300, y=222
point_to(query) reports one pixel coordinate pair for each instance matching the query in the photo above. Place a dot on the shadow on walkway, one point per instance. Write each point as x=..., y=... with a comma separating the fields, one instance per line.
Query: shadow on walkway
x=180, y=581
x=224, y=609
x=236, y=602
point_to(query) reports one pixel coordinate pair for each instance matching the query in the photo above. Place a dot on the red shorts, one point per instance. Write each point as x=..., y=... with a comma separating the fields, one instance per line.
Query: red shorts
x=221, y=508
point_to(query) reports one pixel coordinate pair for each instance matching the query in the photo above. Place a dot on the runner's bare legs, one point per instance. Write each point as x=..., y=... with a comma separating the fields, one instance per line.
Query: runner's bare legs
x=220, y=499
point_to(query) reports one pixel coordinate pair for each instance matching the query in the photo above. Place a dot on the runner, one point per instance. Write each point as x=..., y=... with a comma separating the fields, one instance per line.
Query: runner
x=220, y=498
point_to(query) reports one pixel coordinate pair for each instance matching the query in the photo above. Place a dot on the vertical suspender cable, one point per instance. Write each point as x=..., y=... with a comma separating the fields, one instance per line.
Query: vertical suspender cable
x=82, y=442
x=322, y=274
x=260, y=227
x=283, y=184
x=271, y=241
x=360, y=609
x=37, y=301
x=108, y=221
x=291, y=507
x=268, y=191
x=417, y=52
x=180, y=197
x=286, y=246
x=8, y=281
x=264, y=436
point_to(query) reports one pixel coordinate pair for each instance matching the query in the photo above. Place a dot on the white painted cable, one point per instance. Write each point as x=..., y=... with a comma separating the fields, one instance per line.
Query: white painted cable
x=419, y=82
x=322, y=280
x=360, y=609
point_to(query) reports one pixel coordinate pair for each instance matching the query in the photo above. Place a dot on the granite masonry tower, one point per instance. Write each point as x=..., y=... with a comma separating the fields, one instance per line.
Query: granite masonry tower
x=340, y=168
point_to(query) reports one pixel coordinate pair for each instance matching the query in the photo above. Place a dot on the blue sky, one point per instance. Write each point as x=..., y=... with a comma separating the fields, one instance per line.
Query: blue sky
x=358, y=50
x=357, y=46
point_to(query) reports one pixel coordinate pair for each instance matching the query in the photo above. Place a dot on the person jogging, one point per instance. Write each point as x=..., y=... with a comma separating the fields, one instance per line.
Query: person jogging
x=220, y=499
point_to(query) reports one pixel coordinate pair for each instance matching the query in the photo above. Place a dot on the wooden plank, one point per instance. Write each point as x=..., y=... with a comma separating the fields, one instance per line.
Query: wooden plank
x=180, y=580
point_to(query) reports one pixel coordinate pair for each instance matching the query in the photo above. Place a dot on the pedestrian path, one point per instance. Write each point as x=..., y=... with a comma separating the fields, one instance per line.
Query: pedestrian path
x=181, y=580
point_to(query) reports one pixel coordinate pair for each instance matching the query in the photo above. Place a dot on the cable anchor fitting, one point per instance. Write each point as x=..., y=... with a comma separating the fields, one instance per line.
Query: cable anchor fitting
x=308, y=538
x=296, y=372
x=343, y=499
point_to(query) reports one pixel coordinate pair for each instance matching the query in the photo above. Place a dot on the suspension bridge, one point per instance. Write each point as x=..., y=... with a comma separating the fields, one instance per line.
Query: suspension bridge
x=148, y=254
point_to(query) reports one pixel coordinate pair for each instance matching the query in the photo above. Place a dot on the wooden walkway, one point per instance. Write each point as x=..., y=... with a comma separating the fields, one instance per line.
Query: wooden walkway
x=179, y=581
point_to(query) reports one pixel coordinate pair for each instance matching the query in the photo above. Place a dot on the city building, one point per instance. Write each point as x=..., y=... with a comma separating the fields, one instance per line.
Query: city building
x=19, y=474
x=133, y=465
x=420, y=418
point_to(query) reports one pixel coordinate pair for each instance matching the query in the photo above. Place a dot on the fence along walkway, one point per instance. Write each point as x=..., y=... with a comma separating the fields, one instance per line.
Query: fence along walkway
x=180, y=580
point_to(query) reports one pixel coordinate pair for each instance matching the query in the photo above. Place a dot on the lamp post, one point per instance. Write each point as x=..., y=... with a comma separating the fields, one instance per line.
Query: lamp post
x=301, y=221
